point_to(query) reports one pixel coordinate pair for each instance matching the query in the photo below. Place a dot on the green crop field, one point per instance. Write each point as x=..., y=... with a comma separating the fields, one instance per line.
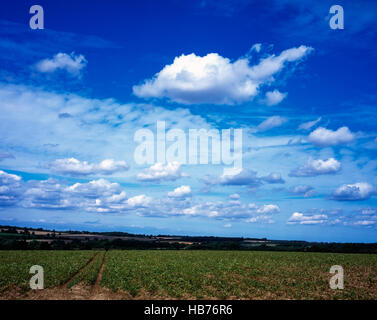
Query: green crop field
x=58, y=266
x=187, y=274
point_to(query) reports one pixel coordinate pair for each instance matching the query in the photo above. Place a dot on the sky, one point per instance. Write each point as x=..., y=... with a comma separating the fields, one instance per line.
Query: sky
x=296, y=100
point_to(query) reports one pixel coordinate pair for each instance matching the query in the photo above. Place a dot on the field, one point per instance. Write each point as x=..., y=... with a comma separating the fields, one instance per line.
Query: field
x=184, y=274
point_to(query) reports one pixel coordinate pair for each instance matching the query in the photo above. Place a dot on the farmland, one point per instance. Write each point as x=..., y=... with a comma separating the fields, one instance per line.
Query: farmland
x=187, y=274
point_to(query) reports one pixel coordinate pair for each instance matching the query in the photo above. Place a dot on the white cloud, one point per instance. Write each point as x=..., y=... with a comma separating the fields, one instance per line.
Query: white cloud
x=139, y=201
x=268, y=209
x=353, y=192
x=48, y=194
x=191, y=211
x=215, y=79
x=274, y=97
x=308, y=125
x=235, y=196
x=117, y=198
x=7, y=178
x=273, y=177
x=240, y=177
x=365, y=222
x=232, y=210
x=102, y=196
x=243, y=177
x=317, y=167
x=180, y=192
x=262, y=218
x=271, y=122
x=323, y=137
x=306, y=191
x=300, y=218
x=368, y=211
x=74, y=167
x=10, y=188
x=95, y=188
x=160, y=172
x=256, y=47
x=97, y=128
x=72, y=63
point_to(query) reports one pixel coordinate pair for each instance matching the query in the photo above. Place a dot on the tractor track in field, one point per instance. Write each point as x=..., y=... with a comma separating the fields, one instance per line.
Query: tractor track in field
x=97, y=289
x=79, y=291
x=66, y=283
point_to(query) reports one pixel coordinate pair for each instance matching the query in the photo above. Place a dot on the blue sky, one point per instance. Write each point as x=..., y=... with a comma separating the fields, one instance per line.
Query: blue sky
x=73, y=95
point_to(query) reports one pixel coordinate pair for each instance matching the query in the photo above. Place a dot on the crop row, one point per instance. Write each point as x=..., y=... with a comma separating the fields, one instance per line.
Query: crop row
x=89, y=274
x=58, y=266
x=199, y=274
x=235, y=274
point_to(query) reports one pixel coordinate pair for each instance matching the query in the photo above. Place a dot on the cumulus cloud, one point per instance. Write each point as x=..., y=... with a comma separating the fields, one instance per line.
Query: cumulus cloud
x=273, y=177
x=180, y=192
x=323, y=137
x=237, y=178
x=215, y=79
x=308, y=125
x=117, y=197
x=274, y=97
x=368, y=211
x=233, y=210
x=48, y=194
x=261, y=218
x=365, y=222
x=243, y=177
x=317, y=167
x=95, y=188
x=160, y=172
x=7, y=178
x=100, y=196
x=333, y=217
x=353, y=192
x=268, y=209
x=74, y=167
x=234, y=196
x=256, y=47
x=306, y=191
x=103, y=196
x=271, y=122
x=73, y=64
x=10, y=188
x=139, y=201
x=300, y=218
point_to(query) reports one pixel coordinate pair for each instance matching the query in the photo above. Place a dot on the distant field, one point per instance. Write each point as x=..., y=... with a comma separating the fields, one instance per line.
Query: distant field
x=161, y=274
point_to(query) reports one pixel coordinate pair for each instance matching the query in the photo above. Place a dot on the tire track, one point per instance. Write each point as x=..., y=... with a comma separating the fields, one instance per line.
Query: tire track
x=65, y=284
x=97, y=288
